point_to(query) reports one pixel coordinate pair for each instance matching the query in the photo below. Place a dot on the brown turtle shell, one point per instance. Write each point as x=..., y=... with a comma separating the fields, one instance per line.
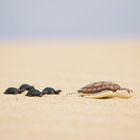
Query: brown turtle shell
x=99, y=87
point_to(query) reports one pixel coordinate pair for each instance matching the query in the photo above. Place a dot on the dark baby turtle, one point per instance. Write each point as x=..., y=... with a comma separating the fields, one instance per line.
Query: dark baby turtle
x=50, y=91
x=11, y=90
x=102, y=89
x=34, y=92
x=25, y=87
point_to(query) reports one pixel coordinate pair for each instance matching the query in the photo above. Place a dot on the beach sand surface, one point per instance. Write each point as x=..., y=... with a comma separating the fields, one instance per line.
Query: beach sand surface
x=69, y=65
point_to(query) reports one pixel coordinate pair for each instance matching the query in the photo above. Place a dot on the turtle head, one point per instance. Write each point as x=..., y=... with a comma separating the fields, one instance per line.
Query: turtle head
x=58, y=91
x=80, y=90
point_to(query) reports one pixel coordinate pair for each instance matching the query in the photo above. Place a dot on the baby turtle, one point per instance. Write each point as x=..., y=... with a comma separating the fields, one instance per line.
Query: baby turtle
x=25, y=87
x=11, y=90
x=34, y=92
x=105, y=89
x=50, y=91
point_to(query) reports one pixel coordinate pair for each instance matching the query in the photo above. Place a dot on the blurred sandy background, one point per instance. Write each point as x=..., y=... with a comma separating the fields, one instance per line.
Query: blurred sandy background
x=69, y=65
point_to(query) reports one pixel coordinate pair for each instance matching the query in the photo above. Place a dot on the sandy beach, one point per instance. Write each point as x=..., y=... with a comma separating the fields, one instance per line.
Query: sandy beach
x=69, y=65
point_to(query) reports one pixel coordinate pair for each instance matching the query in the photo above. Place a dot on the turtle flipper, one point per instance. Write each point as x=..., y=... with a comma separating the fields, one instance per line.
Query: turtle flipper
x=41, y=94
x=127, y=89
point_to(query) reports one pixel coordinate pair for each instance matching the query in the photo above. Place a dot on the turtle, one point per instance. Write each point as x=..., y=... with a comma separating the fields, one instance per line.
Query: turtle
x=34, y=92
x=104, y=89
x=11, y=90
x=25, y=87
x=50, y=91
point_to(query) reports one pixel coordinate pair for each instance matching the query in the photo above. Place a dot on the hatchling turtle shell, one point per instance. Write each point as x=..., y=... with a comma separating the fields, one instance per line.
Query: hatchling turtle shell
x=34, y=92
x=104, y=89
x=50, y=91
x=25, y=87
x=11, y=90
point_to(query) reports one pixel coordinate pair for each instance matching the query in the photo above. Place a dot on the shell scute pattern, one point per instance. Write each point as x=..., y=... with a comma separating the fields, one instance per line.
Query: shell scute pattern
x=100, y=86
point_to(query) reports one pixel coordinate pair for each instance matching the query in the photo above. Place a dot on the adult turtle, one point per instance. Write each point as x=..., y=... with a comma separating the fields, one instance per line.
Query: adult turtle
x=104, y=89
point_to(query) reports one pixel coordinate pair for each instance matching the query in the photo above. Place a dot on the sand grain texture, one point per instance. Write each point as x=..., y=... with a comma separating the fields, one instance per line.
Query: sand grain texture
x=69, y=66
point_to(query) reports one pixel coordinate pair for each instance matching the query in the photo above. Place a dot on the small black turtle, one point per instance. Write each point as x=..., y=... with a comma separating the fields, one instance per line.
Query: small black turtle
x=25, y=87
x=34, y=92
x=50, y=91
x=11, y=90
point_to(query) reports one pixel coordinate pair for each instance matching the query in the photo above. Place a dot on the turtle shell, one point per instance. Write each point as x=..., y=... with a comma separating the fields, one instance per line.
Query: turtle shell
x=34, y=92
x=50, y=91
x=11, y=90
x=23, y=87
x=99, y=87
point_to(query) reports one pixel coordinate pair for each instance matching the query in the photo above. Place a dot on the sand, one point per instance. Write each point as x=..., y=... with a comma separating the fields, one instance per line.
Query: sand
x=69, y=65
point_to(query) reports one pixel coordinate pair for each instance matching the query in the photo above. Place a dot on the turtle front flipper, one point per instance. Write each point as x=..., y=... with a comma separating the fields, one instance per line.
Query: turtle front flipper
x=127, y=89
x=101, y=95
x=41, y=94
x=109, y=94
